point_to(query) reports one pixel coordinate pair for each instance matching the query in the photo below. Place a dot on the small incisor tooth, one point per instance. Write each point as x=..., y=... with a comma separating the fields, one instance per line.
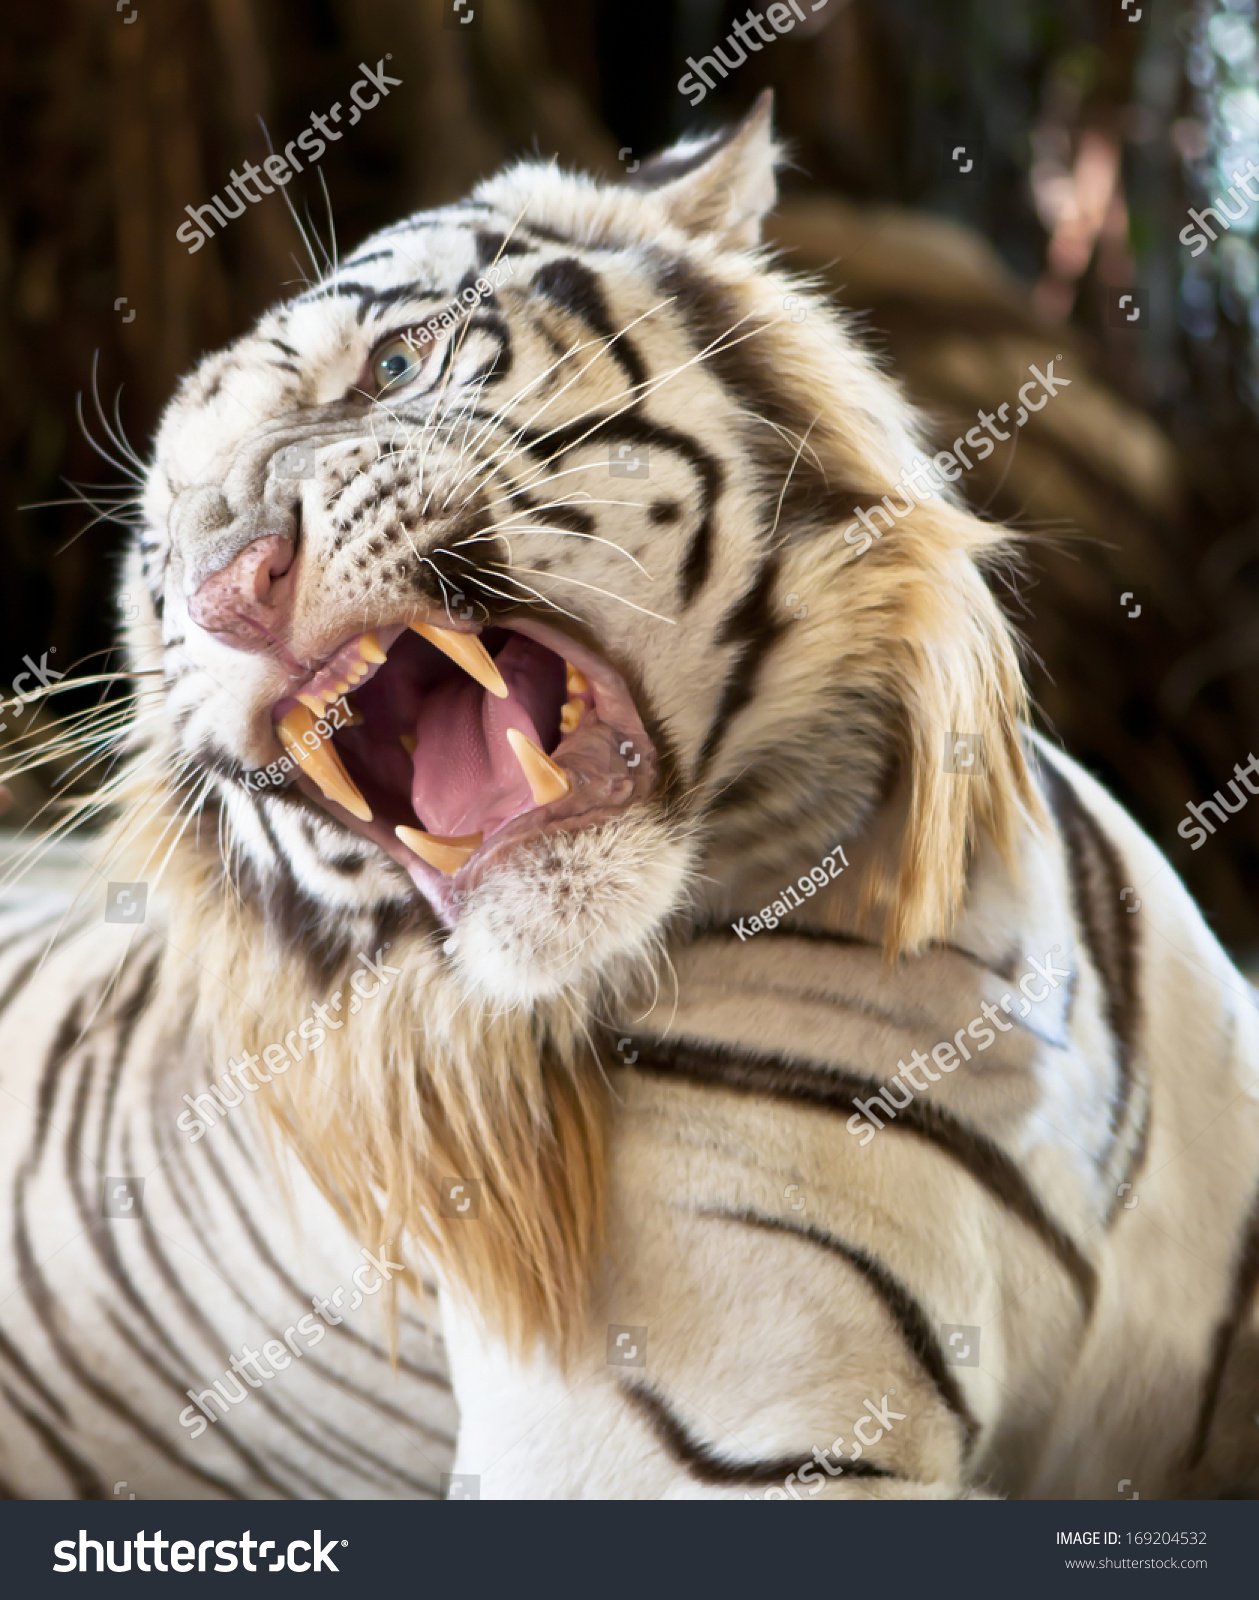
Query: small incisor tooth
x=546, y=780
x=576, y=680
x=570, y=715
x=447, y=855
x=321, y=763
x=466, y=651
x=370, y=649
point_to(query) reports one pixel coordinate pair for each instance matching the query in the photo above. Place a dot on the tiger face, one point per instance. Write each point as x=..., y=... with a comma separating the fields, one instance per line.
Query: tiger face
x=476, y=571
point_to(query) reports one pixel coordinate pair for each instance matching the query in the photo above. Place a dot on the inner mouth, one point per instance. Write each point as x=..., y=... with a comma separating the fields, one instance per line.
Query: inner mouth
x=445, y=747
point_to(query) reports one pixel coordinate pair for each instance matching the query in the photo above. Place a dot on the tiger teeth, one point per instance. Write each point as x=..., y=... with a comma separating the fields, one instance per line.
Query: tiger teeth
x=576, y=680
x=408, y=742
x=370, y=655
x=447, y=855
x=570, y=715
x=466, y=651
x=546, y=780
x=321, y=763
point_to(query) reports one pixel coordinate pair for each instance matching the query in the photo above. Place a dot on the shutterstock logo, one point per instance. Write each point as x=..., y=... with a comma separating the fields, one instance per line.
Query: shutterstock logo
x=299, y=1555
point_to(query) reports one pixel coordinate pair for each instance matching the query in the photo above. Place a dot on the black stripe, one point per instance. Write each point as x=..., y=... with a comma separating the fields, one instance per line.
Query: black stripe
x=202, y=1323
x=1241, y=1301
x=45, y=1307
x=127, y=1019
x=742, y=352
x=19, y=1363
x=361, y=261
x=755, y=626
x=549, y=444
x=151, y=1363
x=1097, y=876
x=38, y=1292
x=18, y=982
x=558, y=514
x=69, y=1032
x=1007, y=971
x=87, y=1483
x=492, y=247
x=570, y=285
x=702, y=1463
x=266, y=1256
x=905, y=1311
x=836, y=1091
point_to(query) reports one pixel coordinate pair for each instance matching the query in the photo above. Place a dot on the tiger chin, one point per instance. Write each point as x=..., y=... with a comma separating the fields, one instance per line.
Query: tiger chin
x=500, y=627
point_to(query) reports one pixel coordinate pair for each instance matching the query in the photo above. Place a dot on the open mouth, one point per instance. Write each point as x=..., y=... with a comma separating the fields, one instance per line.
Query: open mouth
x=446, y=747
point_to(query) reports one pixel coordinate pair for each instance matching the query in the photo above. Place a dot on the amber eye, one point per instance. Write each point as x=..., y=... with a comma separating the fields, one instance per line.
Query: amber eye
x=398, y=362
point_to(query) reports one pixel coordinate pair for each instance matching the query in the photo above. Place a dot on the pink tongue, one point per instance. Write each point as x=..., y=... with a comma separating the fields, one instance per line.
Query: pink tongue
x=465, y=778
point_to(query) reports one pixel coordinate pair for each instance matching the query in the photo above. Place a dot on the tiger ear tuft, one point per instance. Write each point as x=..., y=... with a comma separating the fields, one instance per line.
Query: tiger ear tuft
x=722, y=185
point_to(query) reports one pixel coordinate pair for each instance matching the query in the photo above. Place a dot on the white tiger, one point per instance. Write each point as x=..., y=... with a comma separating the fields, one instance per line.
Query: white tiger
x=471, y=698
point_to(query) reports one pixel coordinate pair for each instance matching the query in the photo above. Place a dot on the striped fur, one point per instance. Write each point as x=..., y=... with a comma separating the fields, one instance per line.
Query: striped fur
x=665, y=1118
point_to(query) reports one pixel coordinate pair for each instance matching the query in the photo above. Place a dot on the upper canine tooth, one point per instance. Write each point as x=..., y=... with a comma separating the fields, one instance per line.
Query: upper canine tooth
x=447, y=855
x=370, y=650
x=466, y=651
x=321, y=762
x=546, y=780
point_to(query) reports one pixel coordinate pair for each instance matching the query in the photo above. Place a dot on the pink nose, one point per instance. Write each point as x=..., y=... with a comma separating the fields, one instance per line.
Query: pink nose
x=245, y=600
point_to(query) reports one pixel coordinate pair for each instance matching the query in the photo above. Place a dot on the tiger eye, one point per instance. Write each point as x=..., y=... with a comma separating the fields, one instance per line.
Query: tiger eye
x=397, y=363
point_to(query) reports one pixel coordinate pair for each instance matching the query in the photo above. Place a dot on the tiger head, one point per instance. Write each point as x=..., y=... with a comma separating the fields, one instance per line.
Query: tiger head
x=499, y=592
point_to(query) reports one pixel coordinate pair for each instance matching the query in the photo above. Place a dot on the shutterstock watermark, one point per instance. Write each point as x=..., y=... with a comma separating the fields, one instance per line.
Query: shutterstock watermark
x=42, y=674
x=312, y=142
x=1197, y=823
x=949, y=1053
x=188, y=1555
x=946, y=466
x=809, y=1475
x=257, y=1367
x=781, y=21
x=311, y=1034
x=1198, y=235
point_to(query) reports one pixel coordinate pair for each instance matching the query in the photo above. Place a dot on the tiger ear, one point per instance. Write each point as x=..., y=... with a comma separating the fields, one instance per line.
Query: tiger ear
x=721, y=185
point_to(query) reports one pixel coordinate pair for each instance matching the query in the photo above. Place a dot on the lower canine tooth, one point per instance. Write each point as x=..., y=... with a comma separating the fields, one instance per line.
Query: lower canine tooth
x=546, y=780
x=321, y=764
x=447, y=855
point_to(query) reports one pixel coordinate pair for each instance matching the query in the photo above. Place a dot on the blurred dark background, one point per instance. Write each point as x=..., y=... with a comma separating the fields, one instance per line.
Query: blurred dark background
x=982, y=180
